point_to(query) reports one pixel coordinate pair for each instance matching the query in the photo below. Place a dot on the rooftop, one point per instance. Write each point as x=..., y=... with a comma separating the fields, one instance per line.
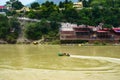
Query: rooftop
x=2, y=7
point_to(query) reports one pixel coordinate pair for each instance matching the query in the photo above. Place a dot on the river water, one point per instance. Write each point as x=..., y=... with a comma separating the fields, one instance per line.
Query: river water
x=41, y=62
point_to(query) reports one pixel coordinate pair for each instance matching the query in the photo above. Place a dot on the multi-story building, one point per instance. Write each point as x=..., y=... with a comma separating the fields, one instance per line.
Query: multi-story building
x=77, y=33
x=3, y=10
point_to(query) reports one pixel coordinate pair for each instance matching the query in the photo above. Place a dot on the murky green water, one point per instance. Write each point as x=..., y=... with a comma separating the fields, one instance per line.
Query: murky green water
x=45, y=56
x=19, y=57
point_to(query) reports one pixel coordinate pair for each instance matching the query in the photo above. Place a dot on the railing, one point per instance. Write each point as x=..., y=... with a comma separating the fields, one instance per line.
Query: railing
x=26, y=19
x=87, y=38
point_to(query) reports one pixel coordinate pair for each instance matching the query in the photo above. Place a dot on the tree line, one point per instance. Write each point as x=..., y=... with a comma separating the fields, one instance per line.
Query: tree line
x=9, y=29
x=92, y=13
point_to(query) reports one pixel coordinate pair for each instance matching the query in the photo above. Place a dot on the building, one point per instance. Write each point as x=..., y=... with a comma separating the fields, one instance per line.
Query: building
x=79, y=33
x=78, y=5
x=24, y=9
x=3, y=10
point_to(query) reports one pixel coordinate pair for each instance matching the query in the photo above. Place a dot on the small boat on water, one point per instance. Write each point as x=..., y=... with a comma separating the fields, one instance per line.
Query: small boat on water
x=63, y=54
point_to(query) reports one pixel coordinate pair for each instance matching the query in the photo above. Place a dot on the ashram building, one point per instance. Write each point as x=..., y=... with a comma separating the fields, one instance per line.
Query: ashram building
x=76, y=33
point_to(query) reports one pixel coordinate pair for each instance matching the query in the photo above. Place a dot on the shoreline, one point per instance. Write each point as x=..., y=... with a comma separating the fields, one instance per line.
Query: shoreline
x=61, y=44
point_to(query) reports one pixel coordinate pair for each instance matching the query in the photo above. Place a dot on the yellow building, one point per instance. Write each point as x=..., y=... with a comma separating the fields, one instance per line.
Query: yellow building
x=26, y=9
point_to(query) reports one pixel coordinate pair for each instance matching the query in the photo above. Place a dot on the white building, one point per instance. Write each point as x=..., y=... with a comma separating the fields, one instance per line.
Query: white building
x=78, y=5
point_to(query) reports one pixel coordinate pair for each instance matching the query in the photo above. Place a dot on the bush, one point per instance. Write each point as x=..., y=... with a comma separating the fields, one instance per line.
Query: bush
x=11, y=39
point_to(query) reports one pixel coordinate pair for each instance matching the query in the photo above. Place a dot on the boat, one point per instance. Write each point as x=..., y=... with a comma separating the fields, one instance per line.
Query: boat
x=63, y=54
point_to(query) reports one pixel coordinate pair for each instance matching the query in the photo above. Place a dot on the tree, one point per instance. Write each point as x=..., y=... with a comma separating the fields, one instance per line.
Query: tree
x=47, y=8
x=17, y=5
x=53, y=17
x=85, y=3
x=71, y=14
x=66, y=1
x=48, y=4
x=14, y=30
x=33, y=31
x=31, y=15
x=61, y=4
x=14, y=25
x=4, y=26
x=80, y=0
x=35, y=5
x=9, y=29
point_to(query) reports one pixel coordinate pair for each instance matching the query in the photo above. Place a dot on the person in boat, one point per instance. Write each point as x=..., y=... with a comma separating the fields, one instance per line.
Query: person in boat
x=63, y=54
x=67, y=54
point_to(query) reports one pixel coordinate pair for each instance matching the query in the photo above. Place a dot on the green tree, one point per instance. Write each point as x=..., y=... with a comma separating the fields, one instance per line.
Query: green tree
x=61, y=4
x=85, y=3
x=71, y=14
x=31, y=14
x=17, y=5
x=4, y=26
x=33, y=31
x=47, y=8
x=35, y=5
x=14, y=30
x=97, y=3
x=53, y=17
x=9, y=29
x=48, y=3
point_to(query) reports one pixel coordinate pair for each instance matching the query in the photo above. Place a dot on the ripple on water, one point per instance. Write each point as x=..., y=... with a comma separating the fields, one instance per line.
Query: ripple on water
x=104, y=63
x=74, y=63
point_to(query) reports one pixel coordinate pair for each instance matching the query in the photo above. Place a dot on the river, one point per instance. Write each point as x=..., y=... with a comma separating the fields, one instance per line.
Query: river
x=41, y=62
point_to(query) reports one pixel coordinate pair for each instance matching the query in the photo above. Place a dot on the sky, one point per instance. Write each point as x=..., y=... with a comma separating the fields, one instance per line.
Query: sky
x=24, y=2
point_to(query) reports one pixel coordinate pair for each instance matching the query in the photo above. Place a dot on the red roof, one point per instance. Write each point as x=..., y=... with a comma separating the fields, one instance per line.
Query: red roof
x=116, y=30
x=2, y=7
